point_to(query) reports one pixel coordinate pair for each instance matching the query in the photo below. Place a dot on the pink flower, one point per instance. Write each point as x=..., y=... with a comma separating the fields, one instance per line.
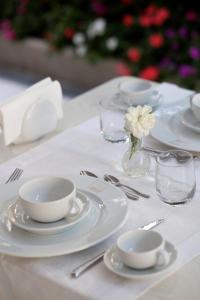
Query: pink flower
x=5, y=25
x=186, y=71
x=156, y=40
x=150, y=73
x=99, y=8
x=191, y=16
x=123, y=69
x=128, y=20
x=134, y=54
x=145, y=21
x=22, y=7
x=9, y=34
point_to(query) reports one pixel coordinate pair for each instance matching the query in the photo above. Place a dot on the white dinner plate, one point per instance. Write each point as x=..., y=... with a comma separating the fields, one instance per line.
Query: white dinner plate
x=188, y=119
x=122, y=103
x=169, y=130
x=113, y=263
x=79, y=211
x=107, y=214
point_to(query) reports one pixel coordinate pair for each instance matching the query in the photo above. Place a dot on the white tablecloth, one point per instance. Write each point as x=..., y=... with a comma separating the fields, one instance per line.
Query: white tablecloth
x=63, y=156
x=49, y=278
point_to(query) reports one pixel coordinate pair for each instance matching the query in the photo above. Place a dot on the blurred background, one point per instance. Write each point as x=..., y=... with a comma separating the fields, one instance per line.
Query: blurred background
x=84, y=43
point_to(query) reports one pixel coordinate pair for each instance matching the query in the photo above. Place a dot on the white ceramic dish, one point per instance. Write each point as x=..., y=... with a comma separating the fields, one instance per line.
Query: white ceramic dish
x=108, y=213
x=136, y=91
x=113, y=262
x=119, y=101
x=188, y=119
x=142, y=249
x=78, y=212
x=169, y=130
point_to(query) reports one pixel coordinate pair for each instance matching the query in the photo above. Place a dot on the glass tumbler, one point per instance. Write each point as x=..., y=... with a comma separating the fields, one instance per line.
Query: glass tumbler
x=112, y=122
x=175, y=177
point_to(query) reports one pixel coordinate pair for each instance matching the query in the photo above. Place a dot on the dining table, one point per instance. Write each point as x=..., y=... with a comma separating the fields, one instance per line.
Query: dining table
x=78, y=145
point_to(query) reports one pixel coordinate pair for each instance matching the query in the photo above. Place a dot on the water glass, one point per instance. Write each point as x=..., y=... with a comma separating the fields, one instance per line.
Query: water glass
x=175, y=177
x=112, y=122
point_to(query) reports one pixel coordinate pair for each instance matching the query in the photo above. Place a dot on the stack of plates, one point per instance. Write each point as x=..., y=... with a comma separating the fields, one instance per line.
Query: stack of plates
x=188, y=119
x=177, y=129
x=80, y=210
x=102, y=211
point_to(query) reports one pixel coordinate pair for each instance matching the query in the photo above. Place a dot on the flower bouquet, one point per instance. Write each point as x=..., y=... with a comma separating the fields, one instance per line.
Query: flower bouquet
x=138, y=122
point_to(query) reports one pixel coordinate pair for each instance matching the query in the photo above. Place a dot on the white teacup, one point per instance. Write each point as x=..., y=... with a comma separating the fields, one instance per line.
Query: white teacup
x=141, y=249
x=136, y=91
x=195, y=105
x=47, y=198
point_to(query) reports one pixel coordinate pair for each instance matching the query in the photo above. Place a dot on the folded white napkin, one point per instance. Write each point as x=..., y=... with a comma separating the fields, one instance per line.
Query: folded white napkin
x=172, y=94
x=22, y=115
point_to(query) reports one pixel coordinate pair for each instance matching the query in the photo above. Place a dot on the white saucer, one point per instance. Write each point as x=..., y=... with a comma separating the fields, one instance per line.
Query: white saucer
x=79, y=211
x=188, y=119
x=114, y=264
x=124, y=103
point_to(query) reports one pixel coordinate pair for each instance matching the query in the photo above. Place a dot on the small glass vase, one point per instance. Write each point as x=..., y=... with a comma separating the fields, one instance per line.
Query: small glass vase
x=135, y=161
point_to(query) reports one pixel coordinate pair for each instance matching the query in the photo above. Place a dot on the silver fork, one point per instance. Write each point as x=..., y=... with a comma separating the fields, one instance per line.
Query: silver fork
x=16, y=174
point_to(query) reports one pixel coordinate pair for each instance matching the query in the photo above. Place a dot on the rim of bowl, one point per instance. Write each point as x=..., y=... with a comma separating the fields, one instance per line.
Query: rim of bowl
x=43, y=177
x=149, y=88
x=123, y=236
x=194, y=99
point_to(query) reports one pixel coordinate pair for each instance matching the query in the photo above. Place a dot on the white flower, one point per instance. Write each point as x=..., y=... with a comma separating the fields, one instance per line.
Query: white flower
x=139, y=120
x=81, y=50
x=112, y=43
x=96, y=28
x=78, y=38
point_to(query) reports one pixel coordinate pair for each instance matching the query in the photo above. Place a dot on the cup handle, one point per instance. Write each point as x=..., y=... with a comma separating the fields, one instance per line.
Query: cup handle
x=75, y=210
x=154, y=96
x=162, y=259
x=191, y=97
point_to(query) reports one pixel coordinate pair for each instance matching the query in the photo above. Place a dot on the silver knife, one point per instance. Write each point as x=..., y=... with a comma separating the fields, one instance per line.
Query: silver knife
x=91, y=262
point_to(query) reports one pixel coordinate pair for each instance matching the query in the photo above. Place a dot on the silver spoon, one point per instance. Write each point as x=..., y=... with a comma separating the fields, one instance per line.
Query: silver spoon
x=116, y=181
x=128, y=193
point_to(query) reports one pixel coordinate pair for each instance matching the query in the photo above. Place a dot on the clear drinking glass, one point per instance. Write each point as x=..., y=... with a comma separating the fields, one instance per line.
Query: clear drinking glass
x=175, y=177
x=112, y=122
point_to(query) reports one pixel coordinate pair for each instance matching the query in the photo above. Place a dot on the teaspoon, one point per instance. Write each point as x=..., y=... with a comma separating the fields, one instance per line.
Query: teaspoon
x=114, y=180
x=129, y=194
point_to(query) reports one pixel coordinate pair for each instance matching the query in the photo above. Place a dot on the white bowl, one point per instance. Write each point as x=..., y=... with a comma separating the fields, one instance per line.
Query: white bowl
x=136, y=91
x=47, y=198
